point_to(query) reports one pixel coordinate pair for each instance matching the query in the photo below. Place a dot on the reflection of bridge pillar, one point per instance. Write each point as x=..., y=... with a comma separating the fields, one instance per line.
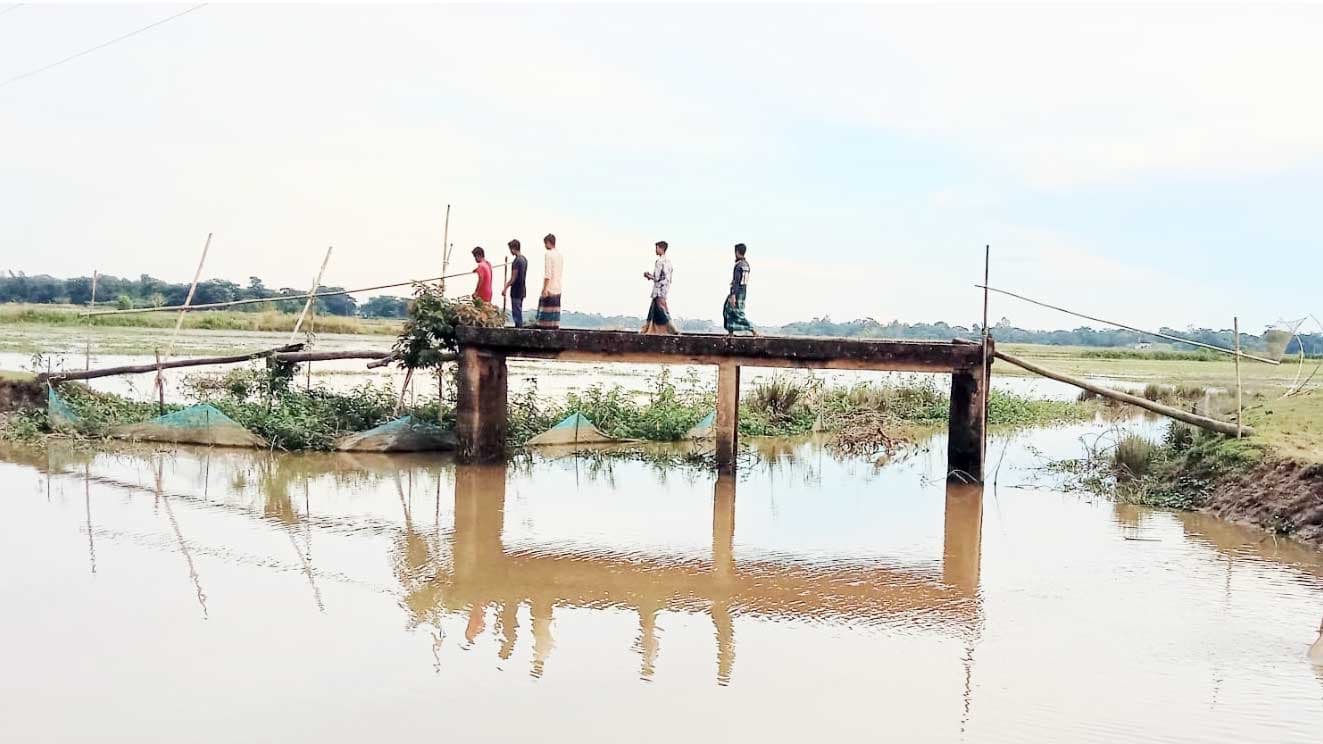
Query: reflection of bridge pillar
x=723, y=567
x=723, y=526
x=725, y=626
x=479, y=519
x=963, y=536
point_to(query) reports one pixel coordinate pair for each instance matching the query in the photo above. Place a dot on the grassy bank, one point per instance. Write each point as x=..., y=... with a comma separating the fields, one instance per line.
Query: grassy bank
x=213, y=320
x=1236, y=479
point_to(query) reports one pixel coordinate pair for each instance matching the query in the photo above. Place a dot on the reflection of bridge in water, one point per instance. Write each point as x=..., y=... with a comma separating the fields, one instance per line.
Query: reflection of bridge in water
x=469, y=569
x=484, y=573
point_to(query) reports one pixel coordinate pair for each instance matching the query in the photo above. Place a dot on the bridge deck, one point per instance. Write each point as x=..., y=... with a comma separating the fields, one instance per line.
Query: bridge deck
x=706, y=348
x=480, y=424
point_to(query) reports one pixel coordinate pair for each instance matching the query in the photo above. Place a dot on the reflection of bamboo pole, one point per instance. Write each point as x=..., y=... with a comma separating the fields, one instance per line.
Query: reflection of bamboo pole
x=179, y=535
x=312, y=293
x=87, y=504
x=1240, y=409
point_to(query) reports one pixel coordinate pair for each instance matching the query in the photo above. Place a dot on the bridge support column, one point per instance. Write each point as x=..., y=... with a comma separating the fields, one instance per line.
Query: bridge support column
x=964, y=449
x=728, y=414
x=480, y=414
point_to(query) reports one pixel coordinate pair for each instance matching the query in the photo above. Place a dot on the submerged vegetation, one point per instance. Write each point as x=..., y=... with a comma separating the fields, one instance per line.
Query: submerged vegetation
x=781, y=406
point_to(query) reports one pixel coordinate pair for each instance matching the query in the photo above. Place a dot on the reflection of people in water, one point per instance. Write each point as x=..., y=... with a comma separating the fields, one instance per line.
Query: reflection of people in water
x=477, y=623
x=1316, y=650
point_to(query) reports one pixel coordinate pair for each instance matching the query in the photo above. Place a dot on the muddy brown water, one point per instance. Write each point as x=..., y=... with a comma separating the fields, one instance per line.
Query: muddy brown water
x=220, y=596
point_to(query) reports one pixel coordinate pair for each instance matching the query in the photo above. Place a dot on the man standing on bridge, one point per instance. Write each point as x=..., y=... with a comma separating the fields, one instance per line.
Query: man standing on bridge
x=484, y=271
x=515, y=286
x=732, y=315
x=548, y=305
x=659, y=315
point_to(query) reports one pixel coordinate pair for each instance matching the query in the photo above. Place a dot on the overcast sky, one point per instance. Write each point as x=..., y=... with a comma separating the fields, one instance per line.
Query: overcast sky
x=1157, y=166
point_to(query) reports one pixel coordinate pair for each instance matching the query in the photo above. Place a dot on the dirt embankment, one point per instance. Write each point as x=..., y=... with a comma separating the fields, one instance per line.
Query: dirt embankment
x=1281, y=496
x=16, y=395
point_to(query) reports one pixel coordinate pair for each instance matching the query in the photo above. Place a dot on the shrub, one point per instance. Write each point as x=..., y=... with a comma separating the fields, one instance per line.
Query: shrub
x=1133, y=457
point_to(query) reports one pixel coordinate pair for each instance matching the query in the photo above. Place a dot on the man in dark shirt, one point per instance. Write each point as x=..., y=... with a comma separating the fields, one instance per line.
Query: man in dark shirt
x=515, y=286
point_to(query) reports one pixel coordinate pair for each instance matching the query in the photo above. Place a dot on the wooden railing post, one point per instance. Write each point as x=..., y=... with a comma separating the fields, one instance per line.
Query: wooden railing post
x=728, y=413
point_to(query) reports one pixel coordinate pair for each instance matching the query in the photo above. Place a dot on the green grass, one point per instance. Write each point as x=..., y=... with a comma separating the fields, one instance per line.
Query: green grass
x=215, y=320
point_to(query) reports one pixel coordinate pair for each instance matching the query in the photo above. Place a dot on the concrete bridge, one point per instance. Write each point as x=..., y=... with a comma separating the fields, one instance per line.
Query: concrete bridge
x=480, y=425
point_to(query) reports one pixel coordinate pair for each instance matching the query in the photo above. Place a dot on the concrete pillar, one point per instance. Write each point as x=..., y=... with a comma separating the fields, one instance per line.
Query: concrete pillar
x=481, y=410
x=728, y=414
x=962, y=546
x=964, y=449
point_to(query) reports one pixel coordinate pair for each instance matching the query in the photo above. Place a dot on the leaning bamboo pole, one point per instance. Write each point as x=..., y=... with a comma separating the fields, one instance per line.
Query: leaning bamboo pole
x=1193, y=419
x=312, y=293
x=290, y=353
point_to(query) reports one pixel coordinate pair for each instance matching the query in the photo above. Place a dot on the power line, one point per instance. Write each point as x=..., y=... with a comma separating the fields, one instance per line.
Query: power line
x=12, y=8
x=102, y=45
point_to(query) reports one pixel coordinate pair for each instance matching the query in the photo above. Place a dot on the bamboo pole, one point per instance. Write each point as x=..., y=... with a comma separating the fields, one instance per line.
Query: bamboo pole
x=987, y=394
x=291, y=353
x=1192, y=419
x=253, y=300
x=445, y=251
x=91, y=305
x=179, y=323
x=160, y=386
x=1126, y=327
x=317, y=282
x=1240, y=408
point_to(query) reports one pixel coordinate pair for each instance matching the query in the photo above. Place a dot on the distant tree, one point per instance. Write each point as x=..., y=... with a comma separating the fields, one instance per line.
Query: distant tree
x=123, y=302
x=383, y=306
x=341, y=304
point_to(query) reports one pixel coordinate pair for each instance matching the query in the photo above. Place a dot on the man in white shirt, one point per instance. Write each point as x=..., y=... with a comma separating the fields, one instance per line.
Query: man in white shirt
x=548, y=304
x=659, y=313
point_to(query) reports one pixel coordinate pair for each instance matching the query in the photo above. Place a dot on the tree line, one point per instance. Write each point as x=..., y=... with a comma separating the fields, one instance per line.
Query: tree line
x=148, y=291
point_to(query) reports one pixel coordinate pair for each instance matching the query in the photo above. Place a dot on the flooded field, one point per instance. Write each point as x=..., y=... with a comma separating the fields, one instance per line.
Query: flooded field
x=221, y=596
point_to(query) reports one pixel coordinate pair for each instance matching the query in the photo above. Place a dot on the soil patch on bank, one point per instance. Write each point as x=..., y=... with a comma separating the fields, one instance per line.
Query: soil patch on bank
x=1282, y=496
x=19, y=392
